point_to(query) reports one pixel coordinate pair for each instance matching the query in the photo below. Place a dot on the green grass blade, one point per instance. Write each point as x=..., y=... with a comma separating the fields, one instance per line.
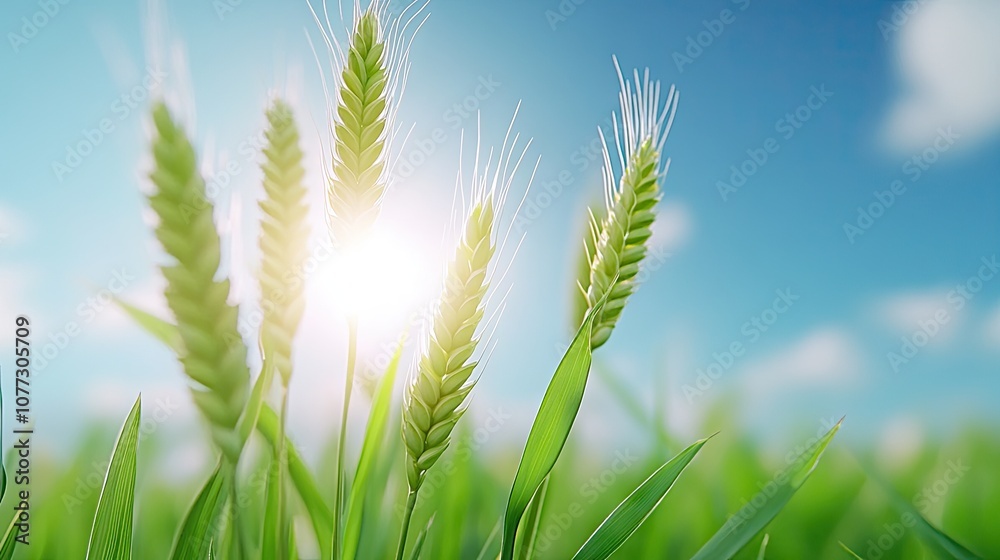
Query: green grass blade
x=162, y=330
x=270, y=541
x=111, y=536
x=418, y=544
x=533, y=519
x=9, y=540
x=741, y=528
x=763, y=546
x=378, y=419
x=305, y=485
x=850, y=552
x=550, y=430
x=200, y=525
x=934, y=539
x=630, y=514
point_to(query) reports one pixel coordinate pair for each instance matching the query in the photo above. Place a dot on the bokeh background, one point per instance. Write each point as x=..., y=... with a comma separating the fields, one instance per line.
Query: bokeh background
x=832, y=200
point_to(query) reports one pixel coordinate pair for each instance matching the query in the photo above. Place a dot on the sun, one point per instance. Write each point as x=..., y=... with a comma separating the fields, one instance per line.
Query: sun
x=381, y=279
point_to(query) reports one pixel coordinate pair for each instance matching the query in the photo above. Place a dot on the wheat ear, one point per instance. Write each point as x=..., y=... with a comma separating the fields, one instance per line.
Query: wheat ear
x=437, y=395
x=283, y=238
x=215, y=355
x=372, y=74
x=620, y=238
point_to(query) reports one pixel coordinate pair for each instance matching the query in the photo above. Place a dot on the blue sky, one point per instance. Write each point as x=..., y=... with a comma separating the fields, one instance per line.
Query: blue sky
x=842, y=106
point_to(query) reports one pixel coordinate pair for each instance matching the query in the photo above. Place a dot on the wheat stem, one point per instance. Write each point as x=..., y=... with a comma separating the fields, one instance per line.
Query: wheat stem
x=352, y=352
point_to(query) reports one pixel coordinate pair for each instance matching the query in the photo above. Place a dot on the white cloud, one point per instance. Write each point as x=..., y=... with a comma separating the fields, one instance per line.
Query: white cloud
x=904, y=313
x=827, y=357
x=672, y=227
x=900, y=442
x=12, y=226
x=947, y=52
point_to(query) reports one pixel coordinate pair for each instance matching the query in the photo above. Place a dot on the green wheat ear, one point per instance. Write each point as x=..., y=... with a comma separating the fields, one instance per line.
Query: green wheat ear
x=619, y=243
x=435, y=397
x=215, y=355
x=283, y=238
x=358, y=181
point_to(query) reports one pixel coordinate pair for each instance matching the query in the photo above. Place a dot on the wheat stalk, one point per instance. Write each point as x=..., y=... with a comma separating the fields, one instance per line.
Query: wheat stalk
x=215, y=355
x=283, y=237
x=619, y=242
x=437, y=395
x=372, y=74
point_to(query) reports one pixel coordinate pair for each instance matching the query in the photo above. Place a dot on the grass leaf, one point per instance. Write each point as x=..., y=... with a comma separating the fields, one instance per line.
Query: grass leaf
x=418, y=543
x=378, y=419
x=850, y=552
x=163, y=331
x=741, y=528
x=629, y=515
x=200, y=526
x=9, y=540
x=111, y=536
x=305, y=485
x=936, y=540
x=549, y=430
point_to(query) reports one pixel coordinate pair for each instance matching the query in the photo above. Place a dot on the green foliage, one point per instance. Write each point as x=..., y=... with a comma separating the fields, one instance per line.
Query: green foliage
x=111, y=537
x=629, y=514
x=549, y=430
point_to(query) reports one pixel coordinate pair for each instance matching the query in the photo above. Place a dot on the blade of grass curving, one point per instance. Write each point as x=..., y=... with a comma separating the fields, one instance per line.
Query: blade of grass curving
x=199, y=528
x=934, y=539
x=741, y=528
x=549, y=430
x=850, y=552
x=320, y=514
x=9, y=540
x=630, y=514
x=418, y=543
x=161, y=329
x=533, y=519
x=378, y=419
x=111, y=535
x=763, y=547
